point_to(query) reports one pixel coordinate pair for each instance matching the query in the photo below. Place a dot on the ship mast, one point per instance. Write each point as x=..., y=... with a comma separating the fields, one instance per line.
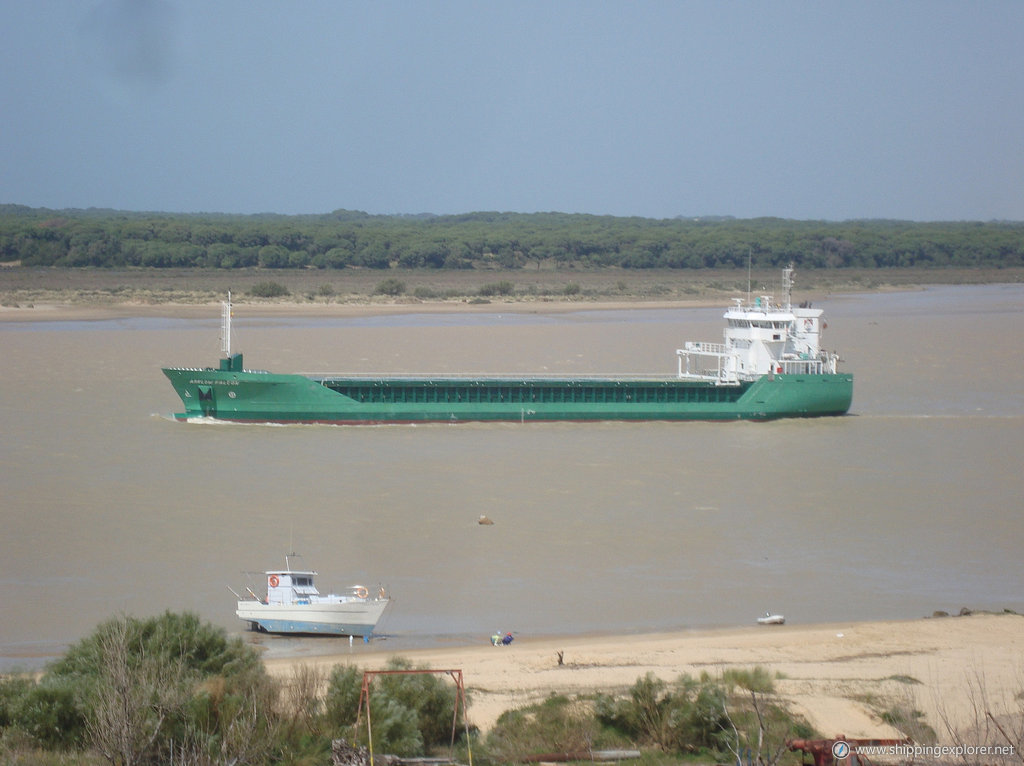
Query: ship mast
x=787, y=286
x=225, y=327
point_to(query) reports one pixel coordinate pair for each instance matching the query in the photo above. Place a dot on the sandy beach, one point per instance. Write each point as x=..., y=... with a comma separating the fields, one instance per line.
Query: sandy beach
x=840, y=677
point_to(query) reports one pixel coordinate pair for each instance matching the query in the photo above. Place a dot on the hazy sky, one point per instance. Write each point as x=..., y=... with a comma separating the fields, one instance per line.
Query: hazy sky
x=815, y=109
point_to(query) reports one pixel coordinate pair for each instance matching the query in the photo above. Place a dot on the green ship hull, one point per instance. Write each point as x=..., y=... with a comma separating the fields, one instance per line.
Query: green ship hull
x=770, y=366
x=234, y=394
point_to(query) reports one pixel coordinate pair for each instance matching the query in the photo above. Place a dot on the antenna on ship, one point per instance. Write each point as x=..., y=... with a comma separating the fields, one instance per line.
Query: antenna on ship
x=228, y=362
x=291, y=546
x=225, y=327
x=748, y=276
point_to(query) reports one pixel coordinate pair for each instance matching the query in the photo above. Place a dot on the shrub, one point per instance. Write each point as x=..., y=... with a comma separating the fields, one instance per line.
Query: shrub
x=202, y=648
x=654, y=713
x=910, y=721
x=12, y=689
x=50, y=715
x=688, y=714
x=341, y=701
x=557, y=725
x=429, y=695
x=268, y=290
x=133, y=686
x=389, y=286
x=497, y=288
x=410, y=713
x=756, y=679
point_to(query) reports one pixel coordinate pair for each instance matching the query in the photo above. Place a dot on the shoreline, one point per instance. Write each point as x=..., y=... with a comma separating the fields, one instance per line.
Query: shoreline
x=31, y=294
x=80, y=312
x=842, y=677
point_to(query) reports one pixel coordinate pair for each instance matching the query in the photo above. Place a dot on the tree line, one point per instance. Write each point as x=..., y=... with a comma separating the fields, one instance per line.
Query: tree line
x=343, y=238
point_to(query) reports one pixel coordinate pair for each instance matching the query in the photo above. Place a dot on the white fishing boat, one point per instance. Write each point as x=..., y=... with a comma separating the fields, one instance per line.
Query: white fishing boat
x=294, y=605
x=771, y=619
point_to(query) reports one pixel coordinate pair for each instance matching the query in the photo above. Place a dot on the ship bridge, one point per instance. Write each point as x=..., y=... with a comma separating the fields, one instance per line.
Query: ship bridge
x=761, y=337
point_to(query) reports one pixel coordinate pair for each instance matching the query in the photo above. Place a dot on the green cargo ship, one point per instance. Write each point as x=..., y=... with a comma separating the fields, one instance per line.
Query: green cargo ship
x=769, y=366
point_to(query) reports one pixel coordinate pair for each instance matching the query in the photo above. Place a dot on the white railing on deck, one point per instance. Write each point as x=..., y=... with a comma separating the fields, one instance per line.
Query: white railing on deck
x=706, y=361
x=706, y=348
x=710, y=361
x=802, y=366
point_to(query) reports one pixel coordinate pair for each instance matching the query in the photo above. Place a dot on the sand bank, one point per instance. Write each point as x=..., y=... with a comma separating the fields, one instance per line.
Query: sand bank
x=839, y=676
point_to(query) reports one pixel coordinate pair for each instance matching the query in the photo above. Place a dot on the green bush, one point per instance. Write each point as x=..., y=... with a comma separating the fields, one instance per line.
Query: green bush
x=268, y=290
x=202, y=648
x=51, y=715
x=497, y=288
x=430, y=696
x=557, y=725
x=389, y=286
x=756, y=679
x=656, y=713
x=702, y=715
x=12, y=689
x=135, y=685
x=341, y=701
x=409, y=713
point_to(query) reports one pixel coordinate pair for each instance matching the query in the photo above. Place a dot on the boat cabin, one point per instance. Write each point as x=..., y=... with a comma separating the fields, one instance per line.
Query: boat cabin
x=290, y=587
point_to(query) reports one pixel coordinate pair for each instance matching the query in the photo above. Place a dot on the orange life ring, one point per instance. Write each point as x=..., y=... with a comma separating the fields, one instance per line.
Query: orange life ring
x=362, y=592
x=274, y=582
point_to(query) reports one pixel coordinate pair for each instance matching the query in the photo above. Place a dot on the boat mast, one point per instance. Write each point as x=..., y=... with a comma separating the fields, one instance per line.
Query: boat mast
x=749, y=256
x=225, y=327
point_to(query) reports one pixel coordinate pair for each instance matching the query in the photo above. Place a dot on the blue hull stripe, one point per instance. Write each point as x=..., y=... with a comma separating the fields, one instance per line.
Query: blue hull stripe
x=325, y=628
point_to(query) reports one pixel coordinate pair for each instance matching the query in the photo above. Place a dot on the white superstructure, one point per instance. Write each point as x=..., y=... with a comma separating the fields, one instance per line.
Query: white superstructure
x=762, y=338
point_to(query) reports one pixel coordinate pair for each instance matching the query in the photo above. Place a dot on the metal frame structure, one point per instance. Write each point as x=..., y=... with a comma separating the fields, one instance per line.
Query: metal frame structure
x=460, y=697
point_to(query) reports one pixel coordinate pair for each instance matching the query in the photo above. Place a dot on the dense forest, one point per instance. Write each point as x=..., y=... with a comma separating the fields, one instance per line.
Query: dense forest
x=111, y=238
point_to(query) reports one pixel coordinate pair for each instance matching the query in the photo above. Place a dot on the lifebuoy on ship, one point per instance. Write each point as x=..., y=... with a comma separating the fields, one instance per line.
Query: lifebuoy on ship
x=274, y=582
x=362, y=592
x=808, y=324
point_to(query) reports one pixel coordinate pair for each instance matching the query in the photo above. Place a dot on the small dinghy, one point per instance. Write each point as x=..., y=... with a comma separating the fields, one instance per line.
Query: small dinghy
x=771, y=619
